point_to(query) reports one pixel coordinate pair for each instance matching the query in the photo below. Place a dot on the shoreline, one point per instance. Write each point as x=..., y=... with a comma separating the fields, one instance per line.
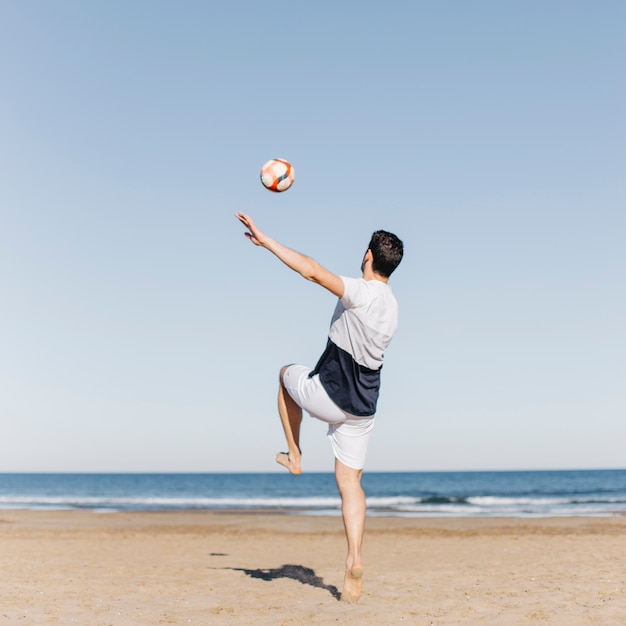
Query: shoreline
x=308, y=512
x=267, y=568
x=286, y=520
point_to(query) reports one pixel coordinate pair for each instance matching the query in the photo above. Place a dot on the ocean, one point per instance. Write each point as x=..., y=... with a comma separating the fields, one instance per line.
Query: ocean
x=408, y=494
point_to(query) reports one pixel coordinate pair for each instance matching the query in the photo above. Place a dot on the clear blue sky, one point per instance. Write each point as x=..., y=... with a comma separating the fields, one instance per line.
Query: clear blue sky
x=140, y=331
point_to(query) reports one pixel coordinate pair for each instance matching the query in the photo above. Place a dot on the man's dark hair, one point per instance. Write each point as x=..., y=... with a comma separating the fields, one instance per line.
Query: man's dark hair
x=387, y=251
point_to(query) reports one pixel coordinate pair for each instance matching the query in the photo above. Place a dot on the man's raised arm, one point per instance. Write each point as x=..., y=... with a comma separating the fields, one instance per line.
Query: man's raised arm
x=305, y=266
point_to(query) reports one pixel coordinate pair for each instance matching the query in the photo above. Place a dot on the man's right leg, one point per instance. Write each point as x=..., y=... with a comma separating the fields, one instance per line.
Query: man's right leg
x=353, y=507
x=291, y=418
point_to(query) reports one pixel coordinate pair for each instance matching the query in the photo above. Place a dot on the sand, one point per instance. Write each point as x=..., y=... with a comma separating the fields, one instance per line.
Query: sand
x=81, y=567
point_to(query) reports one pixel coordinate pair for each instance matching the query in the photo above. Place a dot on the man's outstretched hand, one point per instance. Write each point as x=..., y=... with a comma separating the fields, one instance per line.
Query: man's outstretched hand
x=256, y=236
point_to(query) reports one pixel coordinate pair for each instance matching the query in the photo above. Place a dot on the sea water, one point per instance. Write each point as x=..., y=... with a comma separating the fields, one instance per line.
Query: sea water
x=413, y=494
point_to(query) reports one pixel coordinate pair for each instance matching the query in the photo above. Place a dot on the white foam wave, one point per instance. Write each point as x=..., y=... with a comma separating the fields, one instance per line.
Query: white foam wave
x=397, y=505
x=91, y=502
x=491, y=501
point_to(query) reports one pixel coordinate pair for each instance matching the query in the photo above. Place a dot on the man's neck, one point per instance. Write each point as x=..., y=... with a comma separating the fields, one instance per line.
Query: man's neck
x=368, y=274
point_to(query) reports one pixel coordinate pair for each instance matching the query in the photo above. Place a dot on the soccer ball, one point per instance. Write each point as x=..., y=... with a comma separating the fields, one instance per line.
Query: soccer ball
x=277, y=175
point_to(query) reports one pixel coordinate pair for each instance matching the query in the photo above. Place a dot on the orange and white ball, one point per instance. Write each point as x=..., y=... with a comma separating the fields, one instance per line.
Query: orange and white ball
x=277, y=175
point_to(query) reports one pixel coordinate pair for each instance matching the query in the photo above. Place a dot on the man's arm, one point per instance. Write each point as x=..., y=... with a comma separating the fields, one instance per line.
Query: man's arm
x=305, y=266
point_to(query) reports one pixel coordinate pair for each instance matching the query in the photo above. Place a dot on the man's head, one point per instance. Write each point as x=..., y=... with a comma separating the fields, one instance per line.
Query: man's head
x=387, y=251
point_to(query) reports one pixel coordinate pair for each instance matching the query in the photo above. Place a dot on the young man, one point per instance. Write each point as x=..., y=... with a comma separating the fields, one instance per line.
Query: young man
x=343, y=388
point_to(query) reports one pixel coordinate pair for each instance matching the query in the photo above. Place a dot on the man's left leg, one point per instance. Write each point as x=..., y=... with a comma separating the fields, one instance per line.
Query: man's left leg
x=353, y=506
x=291, y=418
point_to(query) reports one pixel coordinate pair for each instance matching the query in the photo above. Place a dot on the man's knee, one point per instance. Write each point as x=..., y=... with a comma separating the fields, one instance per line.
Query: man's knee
x=283, y=369
x=347, y=476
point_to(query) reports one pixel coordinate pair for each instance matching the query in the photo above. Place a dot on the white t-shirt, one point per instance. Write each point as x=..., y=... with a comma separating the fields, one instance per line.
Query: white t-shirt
x=363, y=324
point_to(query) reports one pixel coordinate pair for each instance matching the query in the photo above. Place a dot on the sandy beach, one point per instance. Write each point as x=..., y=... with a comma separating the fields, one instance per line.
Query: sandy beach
x=75, y=567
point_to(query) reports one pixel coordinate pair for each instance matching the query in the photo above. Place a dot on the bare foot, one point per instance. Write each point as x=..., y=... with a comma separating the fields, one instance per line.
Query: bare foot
x=352, y=585
x=290, y=462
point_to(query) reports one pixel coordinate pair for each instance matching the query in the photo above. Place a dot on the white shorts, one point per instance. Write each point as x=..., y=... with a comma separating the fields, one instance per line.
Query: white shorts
x=348, y=434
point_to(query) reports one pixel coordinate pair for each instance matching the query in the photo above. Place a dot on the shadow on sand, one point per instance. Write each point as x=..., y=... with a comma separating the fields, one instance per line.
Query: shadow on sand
x=304, y=575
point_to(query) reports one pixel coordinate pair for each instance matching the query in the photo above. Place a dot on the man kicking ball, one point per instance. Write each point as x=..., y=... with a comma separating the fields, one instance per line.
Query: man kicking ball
x=343, y=388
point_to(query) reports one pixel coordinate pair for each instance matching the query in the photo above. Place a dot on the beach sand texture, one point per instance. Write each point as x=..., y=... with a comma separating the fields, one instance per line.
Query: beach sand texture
x=80, y=567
